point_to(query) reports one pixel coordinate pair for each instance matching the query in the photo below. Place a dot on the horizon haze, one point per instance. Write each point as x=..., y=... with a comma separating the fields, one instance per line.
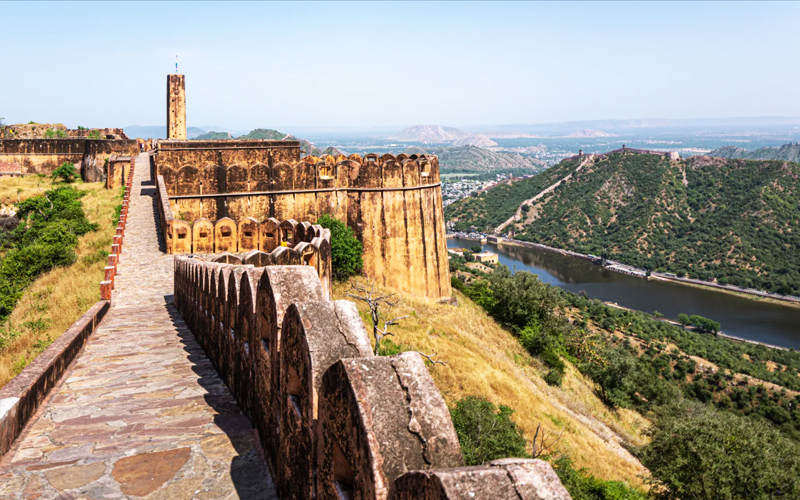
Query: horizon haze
x=384, y=66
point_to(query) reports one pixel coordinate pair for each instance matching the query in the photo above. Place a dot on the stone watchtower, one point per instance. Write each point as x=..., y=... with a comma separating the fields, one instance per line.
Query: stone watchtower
x=176, y=107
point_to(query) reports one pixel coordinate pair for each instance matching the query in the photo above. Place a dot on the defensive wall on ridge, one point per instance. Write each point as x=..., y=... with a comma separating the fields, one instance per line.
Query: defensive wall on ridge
x=42, y=156
x=393, y=203
x=335, y=422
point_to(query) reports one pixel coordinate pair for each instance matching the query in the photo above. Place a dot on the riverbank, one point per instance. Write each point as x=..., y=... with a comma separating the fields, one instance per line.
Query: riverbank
x=757, y=296
x=618, y=267
x=718, y=334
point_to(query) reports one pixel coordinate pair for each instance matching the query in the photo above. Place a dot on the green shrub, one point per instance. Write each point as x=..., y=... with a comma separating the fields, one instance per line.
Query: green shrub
x=486, y=432
x=46, y=237
x=346, y=250
x=583, y=486
x=66, y=172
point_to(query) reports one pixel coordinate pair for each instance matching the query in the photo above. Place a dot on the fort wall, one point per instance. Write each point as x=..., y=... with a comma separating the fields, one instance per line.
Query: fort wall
x=40, y=131
x=334, y=420
x=393, y=203
x=42, y=156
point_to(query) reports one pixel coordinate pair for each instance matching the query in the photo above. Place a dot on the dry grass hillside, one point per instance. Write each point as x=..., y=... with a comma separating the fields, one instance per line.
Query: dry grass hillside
x=485, y=360
x=59, y=297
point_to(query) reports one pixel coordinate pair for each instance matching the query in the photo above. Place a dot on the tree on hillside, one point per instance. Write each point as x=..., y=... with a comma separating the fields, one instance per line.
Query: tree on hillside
x=376, y=300
x=699, y=453
x=704, y=324
x=683, y=319
x=346, y=250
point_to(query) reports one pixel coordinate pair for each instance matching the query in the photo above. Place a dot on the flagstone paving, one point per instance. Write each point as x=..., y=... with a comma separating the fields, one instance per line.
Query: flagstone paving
x=142, y=413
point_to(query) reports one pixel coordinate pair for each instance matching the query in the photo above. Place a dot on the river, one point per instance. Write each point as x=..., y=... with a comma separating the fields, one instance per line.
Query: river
x=749, y=319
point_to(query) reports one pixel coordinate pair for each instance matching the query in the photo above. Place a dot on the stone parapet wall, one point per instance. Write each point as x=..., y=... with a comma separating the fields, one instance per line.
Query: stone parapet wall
x=20, y=398
x=42, y=156
x=392, y=203
x=334, y=420
x=269, y=242
x=40, y=130
x=117, y=171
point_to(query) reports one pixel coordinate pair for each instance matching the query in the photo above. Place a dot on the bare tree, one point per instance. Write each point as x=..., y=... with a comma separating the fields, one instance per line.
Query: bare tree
x=375, y=299
x=369, y=294
x=543, y=447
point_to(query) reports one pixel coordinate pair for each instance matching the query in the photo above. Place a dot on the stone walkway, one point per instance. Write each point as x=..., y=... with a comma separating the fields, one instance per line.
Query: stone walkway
x=142, y=413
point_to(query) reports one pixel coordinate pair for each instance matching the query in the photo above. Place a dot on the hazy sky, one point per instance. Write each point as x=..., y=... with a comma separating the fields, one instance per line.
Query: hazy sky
x=365, y=64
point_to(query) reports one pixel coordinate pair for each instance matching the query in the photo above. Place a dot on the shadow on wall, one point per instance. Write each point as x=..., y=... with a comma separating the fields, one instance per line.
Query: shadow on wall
x=335, y=421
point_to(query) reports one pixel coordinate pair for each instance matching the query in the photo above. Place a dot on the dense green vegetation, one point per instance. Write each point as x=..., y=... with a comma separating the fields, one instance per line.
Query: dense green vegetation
x=46, y=237
x=491, y=208
x=642, y=363
x=700, y=453
x=487, y=432
x=734, y=220
x=346, y=250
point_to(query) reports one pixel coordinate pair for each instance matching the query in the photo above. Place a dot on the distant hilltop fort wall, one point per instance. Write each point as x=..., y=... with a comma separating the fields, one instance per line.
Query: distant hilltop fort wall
x=42, y=156
x=672, y=155
x=393, y=203
x=335, y=421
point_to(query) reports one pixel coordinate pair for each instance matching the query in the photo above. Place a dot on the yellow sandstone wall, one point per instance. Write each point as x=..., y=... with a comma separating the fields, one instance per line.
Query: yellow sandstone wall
x=393, y=204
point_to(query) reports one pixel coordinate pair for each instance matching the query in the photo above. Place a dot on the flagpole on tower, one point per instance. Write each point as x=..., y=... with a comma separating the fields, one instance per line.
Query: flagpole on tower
x=176, y=64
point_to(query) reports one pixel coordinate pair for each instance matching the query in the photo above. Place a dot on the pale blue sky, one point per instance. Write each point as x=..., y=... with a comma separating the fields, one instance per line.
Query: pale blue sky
x=364, y=64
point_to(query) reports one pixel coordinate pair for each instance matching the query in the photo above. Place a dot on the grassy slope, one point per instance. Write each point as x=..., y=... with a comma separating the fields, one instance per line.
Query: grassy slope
x=483, y=359
x=57, y=298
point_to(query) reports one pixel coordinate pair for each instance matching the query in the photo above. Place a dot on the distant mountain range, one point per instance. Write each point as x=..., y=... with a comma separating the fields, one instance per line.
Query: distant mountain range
x=590, y=133
x=475, y=159
x=436, y=134
x=787, y=152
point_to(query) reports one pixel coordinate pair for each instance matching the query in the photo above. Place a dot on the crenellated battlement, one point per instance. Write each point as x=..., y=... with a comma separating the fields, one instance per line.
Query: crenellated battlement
x=334, y=420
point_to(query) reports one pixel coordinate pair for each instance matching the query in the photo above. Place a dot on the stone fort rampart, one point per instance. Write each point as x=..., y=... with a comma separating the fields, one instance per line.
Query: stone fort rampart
x=42, y=156
x=393, y=203
x=335, y=421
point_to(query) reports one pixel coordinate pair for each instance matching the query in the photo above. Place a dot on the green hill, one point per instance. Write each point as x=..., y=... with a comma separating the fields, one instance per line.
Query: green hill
x=489, y=209
x=787, y=152
x=213, y=136
x=273, y=135
x=734, y=220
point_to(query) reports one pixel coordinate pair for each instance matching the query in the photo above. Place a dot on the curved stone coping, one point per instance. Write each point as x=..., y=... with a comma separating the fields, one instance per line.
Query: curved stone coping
x=334, y=420
x=21, y=397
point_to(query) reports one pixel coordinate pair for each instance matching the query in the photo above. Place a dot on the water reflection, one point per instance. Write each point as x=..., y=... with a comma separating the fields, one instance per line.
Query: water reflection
x=770, y=323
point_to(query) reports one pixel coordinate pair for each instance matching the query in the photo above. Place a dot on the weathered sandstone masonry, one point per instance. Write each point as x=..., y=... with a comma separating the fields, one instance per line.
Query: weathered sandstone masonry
x=40, y=130
x=176, y=107
x=42, y=156
x=393, y=203
x=335, y=421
